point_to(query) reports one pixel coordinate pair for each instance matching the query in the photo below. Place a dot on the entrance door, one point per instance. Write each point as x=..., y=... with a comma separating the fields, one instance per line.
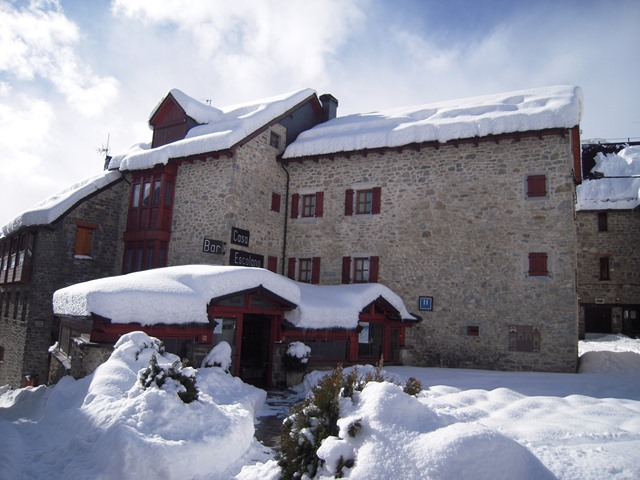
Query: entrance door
x=597, y=319
x=255, y=350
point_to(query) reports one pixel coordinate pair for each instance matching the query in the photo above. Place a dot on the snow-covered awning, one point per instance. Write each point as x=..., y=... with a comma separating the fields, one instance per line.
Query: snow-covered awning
x=51, y=209
x=180, y=295
x=520, y=111
x=222, y=128
x=619, y=185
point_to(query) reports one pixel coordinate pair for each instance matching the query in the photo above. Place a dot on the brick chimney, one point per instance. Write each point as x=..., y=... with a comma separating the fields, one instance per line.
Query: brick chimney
x=329, y=106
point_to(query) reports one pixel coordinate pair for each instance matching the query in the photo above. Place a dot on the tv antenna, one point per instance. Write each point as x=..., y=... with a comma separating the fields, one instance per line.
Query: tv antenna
x=104, y=150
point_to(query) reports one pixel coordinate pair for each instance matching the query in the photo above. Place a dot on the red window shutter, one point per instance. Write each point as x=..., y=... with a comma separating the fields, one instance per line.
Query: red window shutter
x=348, y=203
x=375, y=200
x=315, y=270
x=275, y=202
x=272, y=264
x=292, y=269
x=346, y=269
x=537, y=185
x=295, y=200
x=374, y=267
x=319, y=203
x=604, y=268
x=538, y=264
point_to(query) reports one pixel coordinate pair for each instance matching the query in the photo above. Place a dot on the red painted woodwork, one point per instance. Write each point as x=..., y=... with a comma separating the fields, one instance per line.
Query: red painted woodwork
x=104, y=331
x=576, y=149
x=295, y=200
x=319, y=204
x=348, y=204
x=376, y=200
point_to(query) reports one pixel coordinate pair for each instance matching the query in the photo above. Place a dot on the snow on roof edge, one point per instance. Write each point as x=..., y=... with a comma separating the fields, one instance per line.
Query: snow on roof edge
x=518, y=111
x=52, y=208
x=180, y=294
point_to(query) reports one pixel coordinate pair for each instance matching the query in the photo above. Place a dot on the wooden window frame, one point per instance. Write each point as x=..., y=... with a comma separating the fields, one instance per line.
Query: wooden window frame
x=305, y=269
x=366, y=201
x=308, y=206
x=538, y=264
x=353, y=269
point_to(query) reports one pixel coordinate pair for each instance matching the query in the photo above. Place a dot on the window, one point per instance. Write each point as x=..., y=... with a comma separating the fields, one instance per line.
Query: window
x=306, y=270
x=275, y=202
x=274, y=140
x=360, y=269
x=604, y=268
x=536, y=186
x=272, y=264
x=144, y=255
x=602, y=222
x=84, y=238
x=1, y=354
x=362, y=202
x=307, y=205
x=473, y=330
x=538, y=264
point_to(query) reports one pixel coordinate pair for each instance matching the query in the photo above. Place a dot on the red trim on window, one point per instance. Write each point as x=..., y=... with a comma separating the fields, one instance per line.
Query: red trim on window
x=291, y=273
x=346, y=269
x=348, y=203
x=295, y=200
x=275, y=202
x=538, y=264
x=376, y=200
x=319, y=203
x=315, y=270
x=374, y=268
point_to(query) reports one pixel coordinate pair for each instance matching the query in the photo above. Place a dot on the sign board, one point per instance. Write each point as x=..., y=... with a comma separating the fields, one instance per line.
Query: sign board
x=213, y=246
x=425, y=303
x=245, y=259
x=240, y=237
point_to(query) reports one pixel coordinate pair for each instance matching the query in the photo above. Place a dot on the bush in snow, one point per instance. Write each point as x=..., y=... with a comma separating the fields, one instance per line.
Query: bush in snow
x=316, y=419
x=182, y=380
x=296, y=358
x=219, y=356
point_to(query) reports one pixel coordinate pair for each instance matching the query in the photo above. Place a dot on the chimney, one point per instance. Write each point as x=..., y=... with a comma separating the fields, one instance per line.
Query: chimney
x=329, y=106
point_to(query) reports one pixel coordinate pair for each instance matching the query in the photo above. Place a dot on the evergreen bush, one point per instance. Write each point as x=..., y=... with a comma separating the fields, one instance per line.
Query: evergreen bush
x=157, y=375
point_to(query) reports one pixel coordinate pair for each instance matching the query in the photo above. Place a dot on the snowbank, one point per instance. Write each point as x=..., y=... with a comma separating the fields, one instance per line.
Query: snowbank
x=521, y=111
x=612, y=193
x=49, y=210
x=181, y=295
x=221, y=129
x=108, y=426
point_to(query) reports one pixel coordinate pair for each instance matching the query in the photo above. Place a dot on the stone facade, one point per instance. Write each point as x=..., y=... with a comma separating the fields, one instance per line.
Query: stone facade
x=27, y=330
x=455, y=224
x=613, y=300
x=215, y=195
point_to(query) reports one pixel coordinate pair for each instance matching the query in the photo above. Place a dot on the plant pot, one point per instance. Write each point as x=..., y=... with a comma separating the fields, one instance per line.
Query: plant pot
x=294, y=378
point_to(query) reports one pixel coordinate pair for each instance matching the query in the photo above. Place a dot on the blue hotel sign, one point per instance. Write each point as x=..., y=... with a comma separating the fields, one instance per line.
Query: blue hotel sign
x=425, y=303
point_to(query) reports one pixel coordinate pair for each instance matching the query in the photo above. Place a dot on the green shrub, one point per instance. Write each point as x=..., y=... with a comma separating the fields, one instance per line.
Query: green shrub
x=316, y=418
x=158, y=375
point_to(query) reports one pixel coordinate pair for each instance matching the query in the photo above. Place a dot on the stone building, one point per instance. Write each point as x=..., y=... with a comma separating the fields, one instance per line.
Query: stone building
x=465, y=209
x=608, y=225
x=71, y=237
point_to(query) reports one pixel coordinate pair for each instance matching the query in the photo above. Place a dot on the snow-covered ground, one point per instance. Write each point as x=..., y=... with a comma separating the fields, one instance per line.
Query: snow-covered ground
x=464, y=424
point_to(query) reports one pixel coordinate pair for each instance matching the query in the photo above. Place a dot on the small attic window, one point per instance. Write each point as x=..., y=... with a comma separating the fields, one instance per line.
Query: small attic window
x=274, y=140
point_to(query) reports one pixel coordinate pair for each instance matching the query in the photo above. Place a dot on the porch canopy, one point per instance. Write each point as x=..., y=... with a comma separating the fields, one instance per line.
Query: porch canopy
x=181, y=294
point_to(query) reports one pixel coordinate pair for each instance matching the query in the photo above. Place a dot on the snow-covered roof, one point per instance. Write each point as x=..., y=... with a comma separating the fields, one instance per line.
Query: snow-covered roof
x=520, y=111
x=221, y=129
x=49, y=210
x=181, y=294
x=619, y=189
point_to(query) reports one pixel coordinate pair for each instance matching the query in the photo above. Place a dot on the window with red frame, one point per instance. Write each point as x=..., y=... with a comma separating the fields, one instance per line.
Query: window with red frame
x=360, y=269
x=362, y=202
x=306, y=270
x=536, y=185
x=307, y=205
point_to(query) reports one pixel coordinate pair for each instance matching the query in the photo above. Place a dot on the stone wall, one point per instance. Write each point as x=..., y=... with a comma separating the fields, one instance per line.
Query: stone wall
x=55, y=266
x=456, y=224
x=214, y=195
x=619, y=243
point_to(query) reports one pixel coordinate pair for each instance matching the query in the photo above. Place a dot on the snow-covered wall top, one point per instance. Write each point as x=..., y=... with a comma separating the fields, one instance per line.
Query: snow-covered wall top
x=181, y=294
x=621, y=193
x=520, y=111
x=49, y=210
x=222, y=129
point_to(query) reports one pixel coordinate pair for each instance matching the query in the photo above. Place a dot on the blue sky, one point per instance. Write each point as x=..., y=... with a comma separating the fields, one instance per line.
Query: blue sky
x=74, y=73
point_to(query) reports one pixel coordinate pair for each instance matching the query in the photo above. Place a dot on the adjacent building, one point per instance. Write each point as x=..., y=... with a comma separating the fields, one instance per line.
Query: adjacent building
x=608, y=223
x=464, y=209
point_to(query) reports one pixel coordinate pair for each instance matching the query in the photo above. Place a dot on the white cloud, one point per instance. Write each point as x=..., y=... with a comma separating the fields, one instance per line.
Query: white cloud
x=37, y=42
